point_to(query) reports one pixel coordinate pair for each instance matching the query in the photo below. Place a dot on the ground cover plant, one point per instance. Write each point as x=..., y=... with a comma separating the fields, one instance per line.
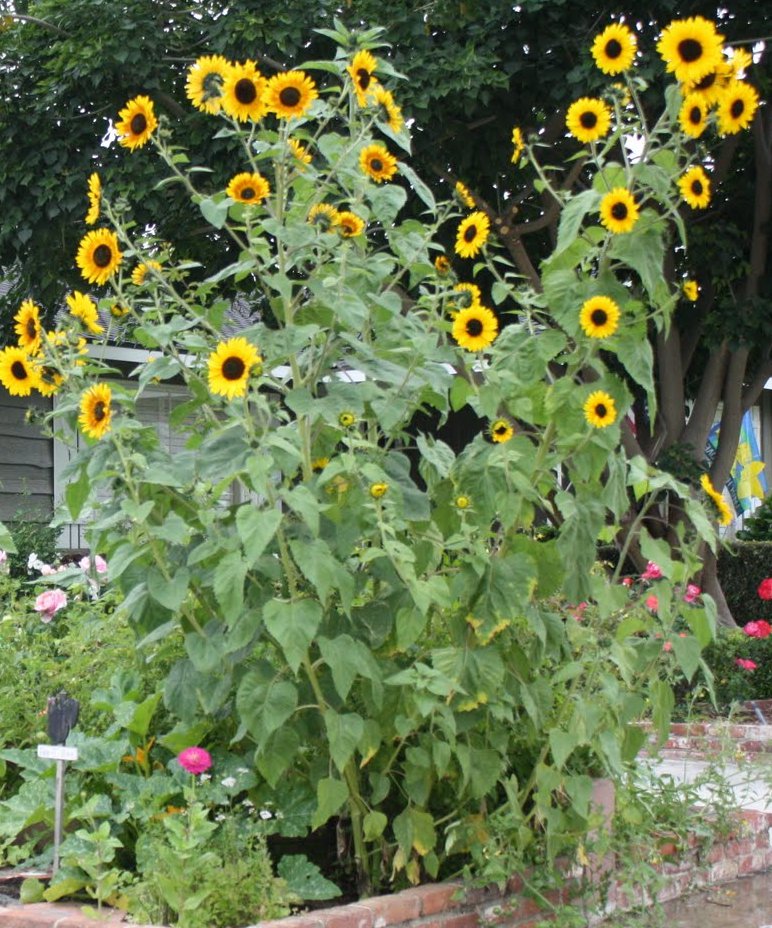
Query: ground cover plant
x=412, y=643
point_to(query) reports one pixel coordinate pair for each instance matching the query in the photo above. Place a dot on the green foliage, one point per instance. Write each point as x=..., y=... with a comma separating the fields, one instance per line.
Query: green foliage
x=732, y=683
x=742, y=565
x=31, y=537
x=759, y=526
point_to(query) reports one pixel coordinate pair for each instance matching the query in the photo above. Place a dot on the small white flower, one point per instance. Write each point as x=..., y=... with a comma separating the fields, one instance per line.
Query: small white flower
x=220, y=817
x=228, y=782
x=241, y=770
x=205, y=778
x=248, y=804
x=265, y=815
x=34, y=562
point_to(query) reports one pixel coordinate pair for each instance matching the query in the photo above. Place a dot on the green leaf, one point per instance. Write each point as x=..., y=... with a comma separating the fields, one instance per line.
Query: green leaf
x=572, y=217
x=374, y=824
x=562, y=743
x=76, y=493
x=169, y=593
x=229, y=576
x=322, y=569
x=293, y=625
x=256, y=528
x=343, y=734
x=305, y=879
x=418, y=185
x=330, y=796
x=216, y=214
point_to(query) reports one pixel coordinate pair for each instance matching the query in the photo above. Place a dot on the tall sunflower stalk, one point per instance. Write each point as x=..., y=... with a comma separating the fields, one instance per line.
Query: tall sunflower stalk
x=388, y=620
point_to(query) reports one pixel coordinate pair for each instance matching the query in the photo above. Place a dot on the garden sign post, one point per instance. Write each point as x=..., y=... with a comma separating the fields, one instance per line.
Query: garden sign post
x=62, y=716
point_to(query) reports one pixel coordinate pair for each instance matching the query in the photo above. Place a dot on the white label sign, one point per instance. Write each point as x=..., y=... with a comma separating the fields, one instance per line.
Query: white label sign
x=57, y=752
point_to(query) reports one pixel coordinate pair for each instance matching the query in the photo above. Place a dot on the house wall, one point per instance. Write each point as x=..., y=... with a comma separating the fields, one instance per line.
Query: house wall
x=26, y=461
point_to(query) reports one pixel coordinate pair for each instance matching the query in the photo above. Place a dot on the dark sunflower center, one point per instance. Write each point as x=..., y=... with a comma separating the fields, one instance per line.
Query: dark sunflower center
x=599, y=317
x=471, y=233
x=289, y=96
x=690, y=50
x=695, y=115
x=697, y=187
x=619, y=211
x=19, y=370
x=474, y=327
x=32, y=329
x=601, y=410
x=737, y=109
x=100, y=411
x=613, y=48
x=248, y=193
x=708, y=81
x=588, y=119
x=376, y=165
x=501, y=429
x=245, y=91
x=363, y=78
x=102, y=256
x=138, y=123
x=233, y=368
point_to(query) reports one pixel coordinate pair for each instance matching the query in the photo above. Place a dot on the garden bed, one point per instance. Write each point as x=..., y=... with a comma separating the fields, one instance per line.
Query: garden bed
x=451, y=905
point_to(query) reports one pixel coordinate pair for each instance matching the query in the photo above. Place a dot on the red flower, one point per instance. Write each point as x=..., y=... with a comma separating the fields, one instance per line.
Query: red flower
x=652, y=603
x=746, y=664
x=758, y=629
x=195, y=760
x=765, y=588
x=652, y=572
x=692, y=592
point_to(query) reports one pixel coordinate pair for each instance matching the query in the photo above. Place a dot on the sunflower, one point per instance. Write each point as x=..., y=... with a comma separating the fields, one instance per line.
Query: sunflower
x=230, y=365
x=588, y=119
x=736, y=107
x=119, y=310
x=472, y=234
x=442, y=265
x=462, y=192
x=244, y=92
x=140, y=272
x=693, y=115
x=501, y=430
x=204, y=84
x=695, y=187
x=300, y=152
x=95, y=410
x=466, y=295
x=377, y=490
x=614, y=49
x=690, y=48
x=518, y=144
x=290, y=93
x=599, y=409
x=388, y=112
x=82, y=307
x=324, y=216
x=599, y=317
x=362, y=70
x=378, y=162
x=18, y=372
x=49, y=380
x=723, y=512
x=618, y=210
x=94, y=198
x=710, y=85
x=475, y=328
x=347, y=419
x=137, y=123
x=98, y=256
x=349, y=224
x=740, y=61
x=28, y=326
x=462, y=502
x=691, y=290
x=248, y=187
x=319, y=464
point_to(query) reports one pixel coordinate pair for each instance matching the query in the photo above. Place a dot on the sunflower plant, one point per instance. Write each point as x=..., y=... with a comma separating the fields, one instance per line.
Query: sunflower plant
x=389, y=621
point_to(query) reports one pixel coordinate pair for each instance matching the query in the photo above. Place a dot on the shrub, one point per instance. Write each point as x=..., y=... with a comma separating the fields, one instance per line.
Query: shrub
x=742, y=565
x=759, y=526
x=733, y=683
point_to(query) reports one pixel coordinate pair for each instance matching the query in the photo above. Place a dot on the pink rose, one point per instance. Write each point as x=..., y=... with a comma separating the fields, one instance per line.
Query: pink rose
x=100, y=564
x=652, y=603
x=692, y=592
x=195, y=760
x=652, y=572
x=49, y=603
x=627, y=581
x=746, y=664
x=758, y=629
x=765, y=588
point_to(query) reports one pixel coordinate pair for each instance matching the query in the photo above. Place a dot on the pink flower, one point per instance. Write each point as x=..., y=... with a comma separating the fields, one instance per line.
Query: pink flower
x=692, y=592
x=758, y=629
x=652, y=572
x=667, y=646
x=3, y=556
x=746, y=664
x=652, y=603
x=100, y=564
x=627, y=581
x=765, y=588
x=49, y=603
x=195, y=760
